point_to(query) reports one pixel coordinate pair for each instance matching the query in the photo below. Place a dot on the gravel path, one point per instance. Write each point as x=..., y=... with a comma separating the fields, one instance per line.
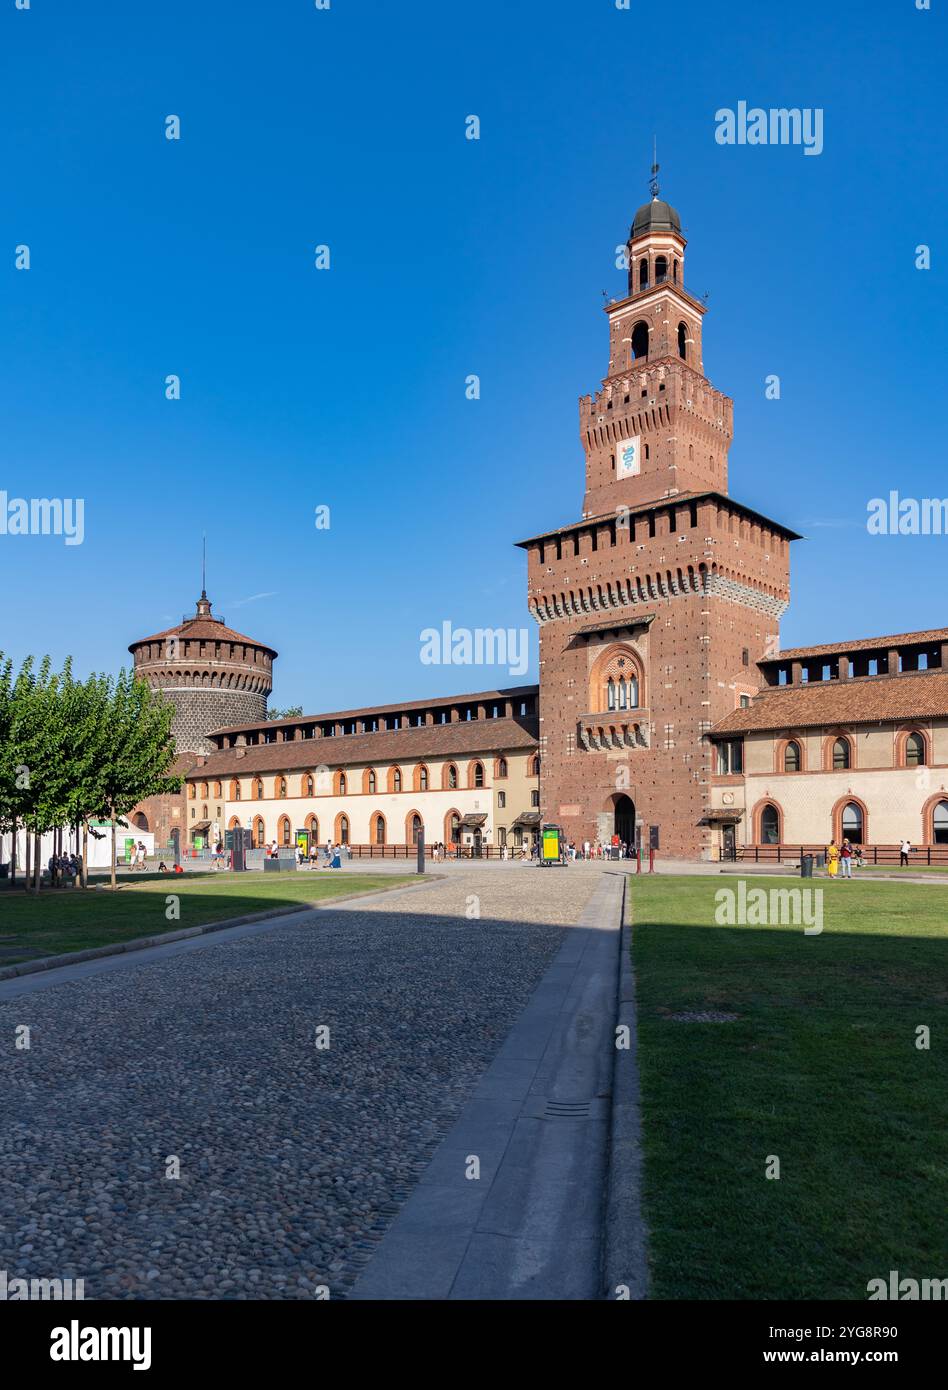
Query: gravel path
x=294, y=1159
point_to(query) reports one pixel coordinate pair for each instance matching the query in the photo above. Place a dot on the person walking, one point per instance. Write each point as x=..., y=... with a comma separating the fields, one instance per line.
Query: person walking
x=905, y=849
x=846, y=860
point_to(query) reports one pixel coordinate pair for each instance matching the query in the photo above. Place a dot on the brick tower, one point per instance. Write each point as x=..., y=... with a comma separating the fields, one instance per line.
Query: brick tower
x=655, y=607
x=213, y=675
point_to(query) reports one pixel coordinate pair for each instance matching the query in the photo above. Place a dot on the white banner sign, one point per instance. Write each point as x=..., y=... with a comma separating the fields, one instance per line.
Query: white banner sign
x=629, y=457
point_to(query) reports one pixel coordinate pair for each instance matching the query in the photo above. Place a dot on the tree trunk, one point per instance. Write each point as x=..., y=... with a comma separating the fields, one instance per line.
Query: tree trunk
x=113, y=849
x=85, y=854
x=28, y=867
x=13, y=856
x=37, y=862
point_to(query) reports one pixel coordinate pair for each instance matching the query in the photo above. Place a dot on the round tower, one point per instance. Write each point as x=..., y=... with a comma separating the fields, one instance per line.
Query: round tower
x=215, y=677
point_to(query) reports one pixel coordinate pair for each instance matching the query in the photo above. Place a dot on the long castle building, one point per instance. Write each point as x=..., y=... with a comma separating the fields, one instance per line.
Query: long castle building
x=666, y=712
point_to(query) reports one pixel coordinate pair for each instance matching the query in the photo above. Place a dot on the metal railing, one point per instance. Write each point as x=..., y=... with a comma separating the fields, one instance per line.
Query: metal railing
x=927, y=855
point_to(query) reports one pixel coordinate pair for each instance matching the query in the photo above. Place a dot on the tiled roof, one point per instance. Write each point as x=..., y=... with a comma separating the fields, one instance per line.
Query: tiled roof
x=204, y=629
x=828, y=703
x=465, y=738
x=862, y=644
x=476, y=697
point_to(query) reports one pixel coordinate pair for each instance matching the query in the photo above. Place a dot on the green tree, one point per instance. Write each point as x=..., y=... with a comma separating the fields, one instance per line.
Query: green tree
x=134, y=750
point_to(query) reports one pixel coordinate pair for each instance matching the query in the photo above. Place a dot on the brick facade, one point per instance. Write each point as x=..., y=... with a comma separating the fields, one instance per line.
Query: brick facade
x=663, y=566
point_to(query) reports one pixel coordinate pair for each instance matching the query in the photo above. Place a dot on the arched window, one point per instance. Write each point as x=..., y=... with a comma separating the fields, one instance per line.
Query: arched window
x=770, y=826
x=259, y=833
x=675, y=271
x=682, y=341
x=852, y=823
x=396, y=780
x=643, y=273
x=615, y=681
x=371, y=782
x=478, y=774
x=501, y=835
x=380, y=829
x=791, y=757
x=661, y=269
x=454, y=828
x=258, y=789
x=417, y=826
x=235, y=790
x=535, y=766
x=312, y=825
x=192, y=791
x=204, y=815
x=203, y=791
x=452, y=776
x=217, y=789
x=940, y=823
x=501, y=767
x=421, y=778
x=282, y=787
x=309, y=786
x=342, y=830
x=342, y=784
x=284, y=830
x=640, y=340
x=915, y=750
x=842, y=758
x=140, y=821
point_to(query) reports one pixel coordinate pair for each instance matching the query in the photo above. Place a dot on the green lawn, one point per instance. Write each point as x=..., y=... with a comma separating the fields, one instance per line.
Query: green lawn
x=820, y=1069
x=73, y=920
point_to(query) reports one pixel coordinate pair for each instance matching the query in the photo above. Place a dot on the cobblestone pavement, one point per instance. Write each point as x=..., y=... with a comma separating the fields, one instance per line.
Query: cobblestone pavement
x=293, y=1159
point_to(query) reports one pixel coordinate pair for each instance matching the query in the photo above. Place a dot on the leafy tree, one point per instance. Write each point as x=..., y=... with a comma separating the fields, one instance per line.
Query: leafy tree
x=295, y=712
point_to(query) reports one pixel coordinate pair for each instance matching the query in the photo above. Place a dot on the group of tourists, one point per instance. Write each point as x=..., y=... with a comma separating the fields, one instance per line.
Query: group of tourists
x=842, y=859
x=67, y=868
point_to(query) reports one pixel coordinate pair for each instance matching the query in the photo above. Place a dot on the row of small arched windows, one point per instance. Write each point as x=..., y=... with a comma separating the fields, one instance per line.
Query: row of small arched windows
x=849, y=824
x=421, y=781
x=913, y=753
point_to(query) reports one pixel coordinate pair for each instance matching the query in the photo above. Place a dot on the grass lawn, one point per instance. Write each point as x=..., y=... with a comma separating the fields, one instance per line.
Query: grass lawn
x=820, y=1069
x=73, y=920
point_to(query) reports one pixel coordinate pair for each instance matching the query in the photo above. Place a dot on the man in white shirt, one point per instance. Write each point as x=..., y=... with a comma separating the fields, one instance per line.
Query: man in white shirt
x=905, y=850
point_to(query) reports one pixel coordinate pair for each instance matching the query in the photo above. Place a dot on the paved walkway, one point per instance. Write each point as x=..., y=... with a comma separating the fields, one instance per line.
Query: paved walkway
x=176, y=1130
x=512, y=1205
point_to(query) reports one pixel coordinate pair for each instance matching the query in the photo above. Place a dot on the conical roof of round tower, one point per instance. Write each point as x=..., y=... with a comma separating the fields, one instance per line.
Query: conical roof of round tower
x=656, y=216
x=204, y=626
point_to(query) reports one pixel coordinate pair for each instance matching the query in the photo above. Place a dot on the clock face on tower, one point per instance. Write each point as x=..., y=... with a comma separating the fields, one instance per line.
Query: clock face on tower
x=628, y=457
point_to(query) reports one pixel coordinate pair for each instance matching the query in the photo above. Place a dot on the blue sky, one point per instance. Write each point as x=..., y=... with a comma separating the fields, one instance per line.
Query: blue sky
x=345, y=387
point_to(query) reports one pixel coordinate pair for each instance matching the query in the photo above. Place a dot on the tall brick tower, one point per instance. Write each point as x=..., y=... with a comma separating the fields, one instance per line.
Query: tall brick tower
x=213, y=675
x=655, y=607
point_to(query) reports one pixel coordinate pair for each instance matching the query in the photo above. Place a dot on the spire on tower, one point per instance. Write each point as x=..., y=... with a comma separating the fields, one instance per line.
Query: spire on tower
x=653, y=181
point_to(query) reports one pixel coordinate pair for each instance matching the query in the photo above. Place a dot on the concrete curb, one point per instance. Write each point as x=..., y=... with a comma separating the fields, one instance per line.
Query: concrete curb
x=144, y=943
x=625, y=1261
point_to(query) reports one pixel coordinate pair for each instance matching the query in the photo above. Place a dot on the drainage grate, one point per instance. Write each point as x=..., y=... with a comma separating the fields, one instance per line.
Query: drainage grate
x=567, y=1110
x=709, y=1016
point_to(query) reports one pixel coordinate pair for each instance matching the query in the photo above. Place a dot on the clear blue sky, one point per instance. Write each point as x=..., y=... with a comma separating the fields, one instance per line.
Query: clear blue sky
x=346, y=387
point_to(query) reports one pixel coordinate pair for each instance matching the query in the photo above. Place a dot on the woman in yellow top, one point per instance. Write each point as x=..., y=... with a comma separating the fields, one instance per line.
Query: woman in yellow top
x=832, y=859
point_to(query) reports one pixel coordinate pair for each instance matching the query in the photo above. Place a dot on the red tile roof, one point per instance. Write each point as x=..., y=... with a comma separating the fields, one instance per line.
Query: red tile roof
x=867, y=700
x=466, y=738
x=862, y=644
x=476, y=697
x=204, y=629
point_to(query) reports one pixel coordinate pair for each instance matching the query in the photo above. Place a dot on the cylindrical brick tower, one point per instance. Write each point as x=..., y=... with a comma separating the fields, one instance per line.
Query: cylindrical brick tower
x=214, y=676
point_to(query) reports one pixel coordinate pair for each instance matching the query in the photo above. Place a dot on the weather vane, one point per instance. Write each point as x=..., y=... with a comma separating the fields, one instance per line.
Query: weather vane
x=653, y=181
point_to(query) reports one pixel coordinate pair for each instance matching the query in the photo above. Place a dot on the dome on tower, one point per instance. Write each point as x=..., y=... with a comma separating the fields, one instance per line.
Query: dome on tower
x=656, y=216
